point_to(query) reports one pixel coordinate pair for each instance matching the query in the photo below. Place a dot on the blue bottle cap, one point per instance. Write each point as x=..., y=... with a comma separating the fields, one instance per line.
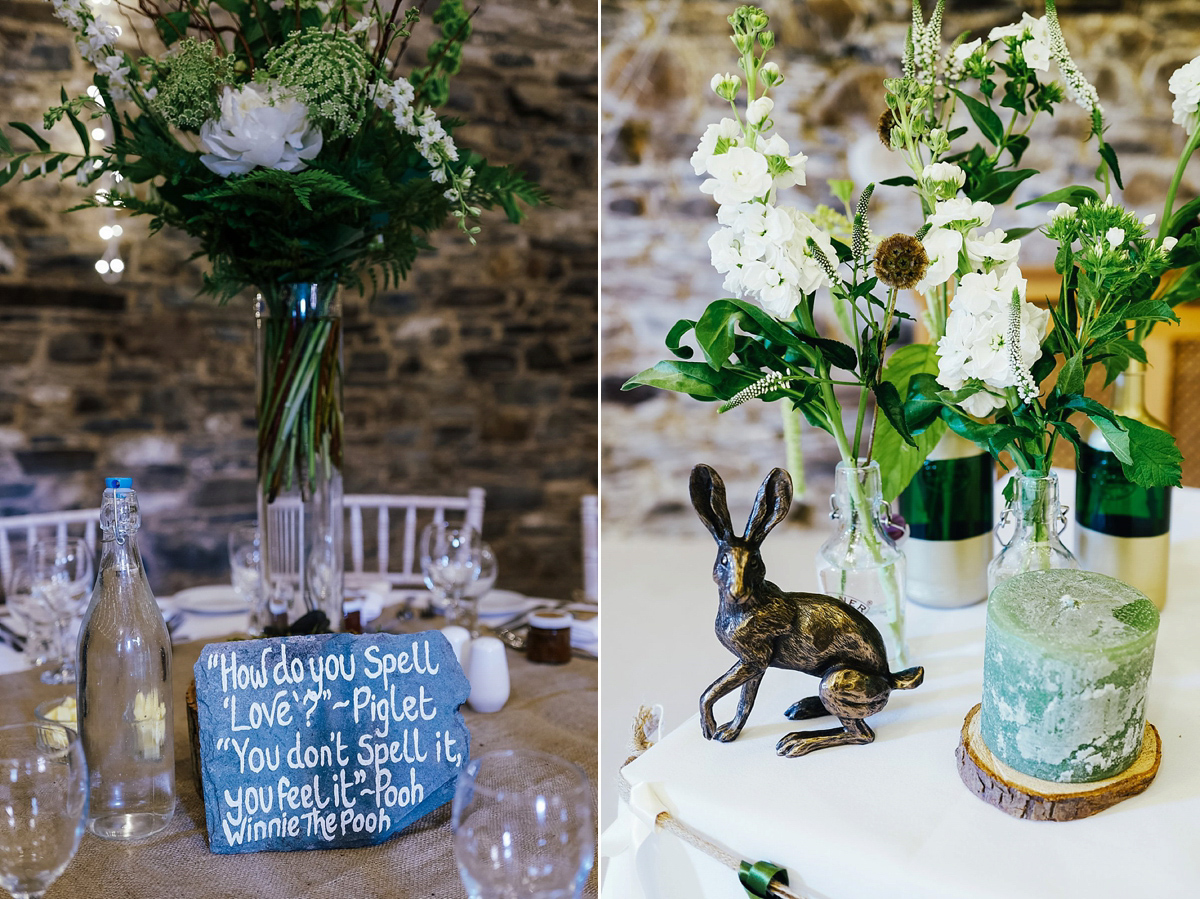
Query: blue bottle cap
x=118, y=482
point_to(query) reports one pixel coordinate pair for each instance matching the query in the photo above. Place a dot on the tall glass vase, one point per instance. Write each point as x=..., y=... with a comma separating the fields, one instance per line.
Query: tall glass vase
x=1037, y=519
x=948, y=508
x=300, y=451
x=1121, y=529
x=861, y=563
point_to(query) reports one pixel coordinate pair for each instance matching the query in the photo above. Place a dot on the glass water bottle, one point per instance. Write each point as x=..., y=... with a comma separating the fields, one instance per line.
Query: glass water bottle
x=124, y=687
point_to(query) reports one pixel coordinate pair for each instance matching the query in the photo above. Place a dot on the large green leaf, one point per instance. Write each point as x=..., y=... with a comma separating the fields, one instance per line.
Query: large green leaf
x=997, y=187
x=693, y=378
x=716, y=331
x=1157, y=461
x=898, y=459
x=1074, y=195
x=984, y=117
x=1071, y=377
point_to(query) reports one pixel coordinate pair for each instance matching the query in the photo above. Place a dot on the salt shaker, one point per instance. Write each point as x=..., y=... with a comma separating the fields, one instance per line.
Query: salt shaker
x=460, y=642
x=488, y=674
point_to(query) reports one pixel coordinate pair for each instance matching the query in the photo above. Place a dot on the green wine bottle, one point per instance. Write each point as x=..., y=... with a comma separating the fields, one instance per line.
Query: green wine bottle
x=1122, y=530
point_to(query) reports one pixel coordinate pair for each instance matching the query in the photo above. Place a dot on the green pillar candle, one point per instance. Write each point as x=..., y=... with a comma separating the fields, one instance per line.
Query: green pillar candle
x=1067, y=656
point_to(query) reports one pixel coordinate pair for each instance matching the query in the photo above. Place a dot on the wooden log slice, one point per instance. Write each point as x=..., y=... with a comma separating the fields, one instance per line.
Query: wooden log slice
x=1022, y=796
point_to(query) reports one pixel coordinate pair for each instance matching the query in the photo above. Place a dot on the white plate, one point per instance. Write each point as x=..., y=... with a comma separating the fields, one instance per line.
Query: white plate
x=217, y=599
x=504, y=603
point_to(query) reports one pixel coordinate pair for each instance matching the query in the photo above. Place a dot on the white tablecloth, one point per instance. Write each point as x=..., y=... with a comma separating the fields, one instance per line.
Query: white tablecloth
x=890, y=820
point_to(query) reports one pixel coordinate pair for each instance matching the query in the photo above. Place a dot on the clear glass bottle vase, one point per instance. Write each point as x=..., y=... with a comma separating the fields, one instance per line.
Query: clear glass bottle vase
x=1038, y=519
x=861, y=563
x=300, y=439
x=1121, y=529
x=123, y=693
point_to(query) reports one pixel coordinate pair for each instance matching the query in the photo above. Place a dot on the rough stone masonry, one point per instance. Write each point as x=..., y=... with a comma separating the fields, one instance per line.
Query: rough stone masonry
x=479, y=370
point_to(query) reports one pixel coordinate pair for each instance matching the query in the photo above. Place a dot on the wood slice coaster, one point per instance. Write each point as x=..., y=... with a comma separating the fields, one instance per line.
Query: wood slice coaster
x=1022, y=796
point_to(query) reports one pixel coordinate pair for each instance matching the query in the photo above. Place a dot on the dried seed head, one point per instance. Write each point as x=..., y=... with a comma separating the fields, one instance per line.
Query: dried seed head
x=887, y=122
x=900, y=261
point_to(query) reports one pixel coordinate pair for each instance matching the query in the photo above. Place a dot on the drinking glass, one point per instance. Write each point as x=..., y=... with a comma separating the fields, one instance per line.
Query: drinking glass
x=451, y=561
x=523, y=826
x=245, y=553
x=43, y=795
x=41, y=647
x=478, y=588
x=61, y=578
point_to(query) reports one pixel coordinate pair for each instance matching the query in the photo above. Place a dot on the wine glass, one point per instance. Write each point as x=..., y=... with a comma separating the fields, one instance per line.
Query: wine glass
x=522, y=826
x=245, y=554
x=61, y=577
x=43, y=792
x=41, y=647
x=450, y=560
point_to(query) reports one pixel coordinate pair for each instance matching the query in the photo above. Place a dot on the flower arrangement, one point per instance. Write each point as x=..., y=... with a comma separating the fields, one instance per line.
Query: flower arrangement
x=278, y=134
x=986, y=372
x=281, y=136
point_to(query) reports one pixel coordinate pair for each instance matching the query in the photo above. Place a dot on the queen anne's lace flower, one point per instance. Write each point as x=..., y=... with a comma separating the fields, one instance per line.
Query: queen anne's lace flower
x=1185, y=85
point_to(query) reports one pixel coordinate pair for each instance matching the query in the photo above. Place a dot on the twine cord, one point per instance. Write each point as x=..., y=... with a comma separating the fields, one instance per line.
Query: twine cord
x=775, y=886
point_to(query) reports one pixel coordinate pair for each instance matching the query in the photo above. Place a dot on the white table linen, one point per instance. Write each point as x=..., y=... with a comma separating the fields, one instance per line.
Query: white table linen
x=891, y=819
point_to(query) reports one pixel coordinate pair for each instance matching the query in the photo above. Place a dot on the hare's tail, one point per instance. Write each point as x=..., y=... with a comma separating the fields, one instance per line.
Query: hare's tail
x=908, y=679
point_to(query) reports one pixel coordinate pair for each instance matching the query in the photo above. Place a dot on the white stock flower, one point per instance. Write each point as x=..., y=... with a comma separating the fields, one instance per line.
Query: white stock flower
x=961, y=213
x=1037, y=54
x=758, y=111
x=942, y=246
x=726, y=86
x=738, y=176
x=1115, y=237
x=1185, y=85
x=991, y=250
x=770, y=75
x=257, y=129
x=942, y=179
x=727, y=129
x=794, y=173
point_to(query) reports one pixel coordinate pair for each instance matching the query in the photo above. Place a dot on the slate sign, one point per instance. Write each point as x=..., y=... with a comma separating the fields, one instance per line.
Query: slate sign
x=327, y=741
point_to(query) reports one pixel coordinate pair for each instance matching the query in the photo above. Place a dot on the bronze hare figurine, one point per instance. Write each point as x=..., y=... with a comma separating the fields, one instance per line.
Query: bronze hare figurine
x=768, y=628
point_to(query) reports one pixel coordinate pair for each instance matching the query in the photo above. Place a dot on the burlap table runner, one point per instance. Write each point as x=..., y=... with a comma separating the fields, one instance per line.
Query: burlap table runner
x=551, y=708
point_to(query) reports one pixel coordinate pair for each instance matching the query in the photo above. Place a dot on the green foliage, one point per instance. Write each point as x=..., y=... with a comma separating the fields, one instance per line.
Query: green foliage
x=904, y=458
x=431, y=81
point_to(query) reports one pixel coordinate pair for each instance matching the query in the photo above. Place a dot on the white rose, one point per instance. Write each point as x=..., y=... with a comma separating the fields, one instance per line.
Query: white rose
x=739, y=176
x=257, y=129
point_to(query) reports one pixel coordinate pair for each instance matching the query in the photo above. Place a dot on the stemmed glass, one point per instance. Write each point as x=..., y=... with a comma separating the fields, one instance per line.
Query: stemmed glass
x=451, y=560
x=61, y=578
x=245, y=553
x=43, y=795
x=522, y=826
x=40, y=644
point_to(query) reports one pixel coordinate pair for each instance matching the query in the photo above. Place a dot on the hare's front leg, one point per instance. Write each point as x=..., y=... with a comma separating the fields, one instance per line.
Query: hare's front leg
x=735, y=677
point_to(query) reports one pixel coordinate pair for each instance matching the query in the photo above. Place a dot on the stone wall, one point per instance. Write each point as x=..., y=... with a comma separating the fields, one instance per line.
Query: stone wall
x=657, y=59
x=480, y=370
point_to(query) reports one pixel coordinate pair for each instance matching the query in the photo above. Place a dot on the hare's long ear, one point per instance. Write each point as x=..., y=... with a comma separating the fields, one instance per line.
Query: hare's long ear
x=770, y=506
x=708, y=498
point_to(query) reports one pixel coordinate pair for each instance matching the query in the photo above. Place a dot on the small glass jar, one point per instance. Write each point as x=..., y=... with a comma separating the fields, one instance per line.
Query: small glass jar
x=549, y=639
